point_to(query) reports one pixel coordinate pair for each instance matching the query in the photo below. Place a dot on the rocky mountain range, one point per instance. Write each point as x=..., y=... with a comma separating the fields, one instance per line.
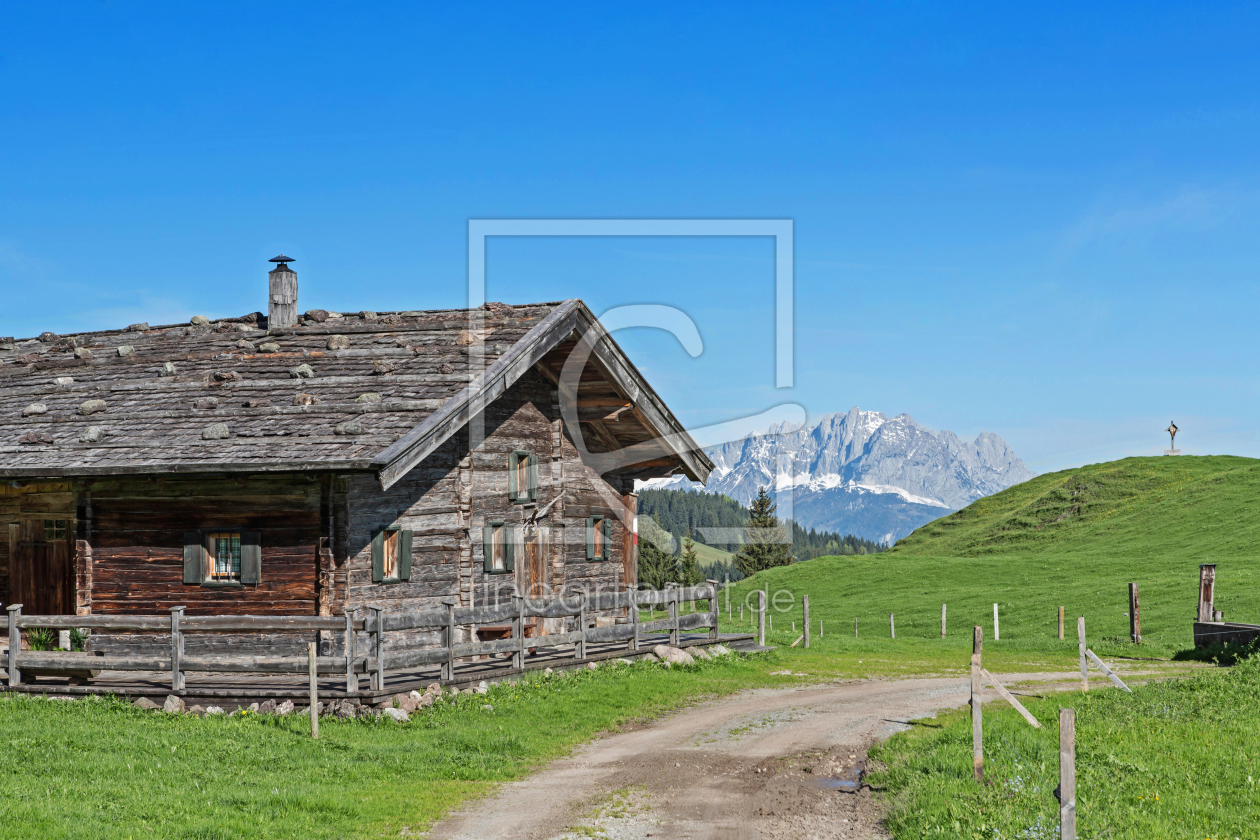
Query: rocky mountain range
x=861, y=472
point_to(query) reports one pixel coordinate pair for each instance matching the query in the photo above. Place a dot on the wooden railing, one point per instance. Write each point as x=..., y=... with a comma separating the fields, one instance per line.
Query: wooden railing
x=378, y=624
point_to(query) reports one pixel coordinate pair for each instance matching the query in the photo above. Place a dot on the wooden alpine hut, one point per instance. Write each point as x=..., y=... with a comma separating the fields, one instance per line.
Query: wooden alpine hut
x=315, y=464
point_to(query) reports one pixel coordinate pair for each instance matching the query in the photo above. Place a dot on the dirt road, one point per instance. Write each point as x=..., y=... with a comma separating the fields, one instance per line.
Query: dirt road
x=752, y=767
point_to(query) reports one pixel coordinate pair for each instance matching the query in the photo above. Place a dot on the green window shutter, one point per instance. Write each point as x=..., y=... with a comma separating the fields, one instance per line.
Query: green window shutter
x=533, y=478
x=590, y=537
x=487, y=547
x=404, y=555
x=193, y=552
x=378, y=557
x=509, y=548
x=607, y=539
x=251, y=557
x=513, y=490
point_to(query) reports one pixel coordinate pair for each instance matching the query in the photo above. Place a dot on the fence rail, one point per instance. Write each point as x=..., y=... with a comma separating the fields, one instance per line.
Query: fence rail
x=379, y=655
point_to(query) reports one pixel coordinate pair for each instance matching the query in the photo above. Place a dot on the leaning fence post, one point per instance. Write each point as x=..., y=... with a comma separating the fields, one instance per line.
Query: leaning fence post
x=15, y=644
x=761, y=617
x=378, y=647
x=996, y=633
x=1080, y=643
x=671, y=605
x=310, y=658
x=177, y=649
x=351, y=643
x=942, y=621
x=977, y=722
x=805, y=617
x=1135, y=616
x=1067, y=774
x=892, y=626
x=448, y=667
x=1060, y=624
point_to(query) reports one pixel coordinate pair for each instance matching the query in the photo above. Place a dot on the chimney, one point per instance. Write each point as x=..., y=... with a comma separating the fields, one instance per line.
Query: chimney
x=282, y=309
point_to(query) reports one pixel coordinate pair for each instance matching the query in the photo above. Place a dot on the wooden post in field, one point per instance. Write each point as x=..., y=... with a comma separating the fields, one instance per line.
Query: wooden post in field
x=977, y=723
x=942, y=621
x=351, y=643
x=177, y=650
x=996, y=634
x=310, y=656
x=1080, y=644
x=805, y=617
x=761, y=617
x=1135, y=616
x=1067, y=774
x=1060, y=624
x=892, y=626
x=1207, y=590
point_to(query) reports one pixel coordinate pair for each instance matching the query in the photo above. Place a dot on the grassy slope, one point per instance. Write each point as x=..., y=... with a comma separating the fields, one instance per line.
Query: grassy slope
x=102, y=769
x=1075, y=538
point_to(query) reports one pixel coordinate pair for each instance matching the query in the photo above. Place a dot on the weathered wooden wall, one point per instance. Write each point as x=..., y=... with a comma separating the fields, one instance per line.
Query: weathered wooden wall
x=137, y=539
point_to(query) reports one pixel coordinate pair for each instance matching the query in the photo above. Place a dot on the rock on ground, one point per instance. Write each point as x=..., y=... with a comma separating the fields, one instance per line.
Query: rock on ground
x=174, y=705
x=285, y=708
x=146, y=704
x=673, y=655
x=396, y=714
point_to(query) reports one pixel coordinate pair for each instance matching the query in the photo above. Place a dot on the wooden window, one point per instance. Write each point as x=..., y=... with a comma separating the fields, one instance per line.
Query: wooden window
x=54, y=529
x=598, y=538
x=222, y=557
x=391, y=555
x=498, y=548
x=224, y=550
x=522, y=477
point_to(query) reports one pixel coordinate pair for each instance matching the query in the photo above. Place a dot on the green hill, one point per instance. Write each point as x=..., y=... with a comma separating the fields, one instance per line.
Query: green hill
x=1134, y=507
x=1075, y=538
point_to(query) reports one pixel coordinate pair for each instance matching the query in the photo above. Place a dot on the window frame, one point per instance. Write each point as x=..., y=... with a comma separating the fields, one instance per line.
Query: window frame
x=402, y=556
x=516, y=495
x=198, y=559
x=602, y=524
x=509, y=547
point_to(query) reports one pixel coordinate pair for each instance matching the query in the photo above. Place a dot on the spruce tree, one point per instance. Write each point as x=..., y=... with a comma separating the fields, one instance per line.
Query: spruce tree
x=689, y=565
x=656, y=567
x=767, y=544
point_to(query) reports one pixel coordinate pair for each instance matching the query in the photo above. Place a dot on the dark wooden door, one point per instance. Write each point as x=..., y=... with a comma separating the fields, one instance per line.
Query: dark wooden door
x=534, y=562
x=43, y=577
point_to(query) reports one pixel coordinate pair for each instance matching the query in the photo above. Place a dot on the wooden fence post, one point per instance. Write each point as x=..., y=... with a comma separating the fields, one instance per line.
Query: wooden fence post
x=177, y=649
x=805, y=617
x=351, y=645
x=942, y=621
x=580, y=648
x=518, y=632
x=1067, y=774
x=378, y=647
x=1135, y=616
x=634, y=615
x=977, y=722
x=671, y=607
x=761, y=617
x=714, y=610
x=1060, y=624
x=448, y=667
x=15, y=644
x=1207, y=590
x=997, y=635
x=1080, y=643
x=310, y=656
x=892, y=626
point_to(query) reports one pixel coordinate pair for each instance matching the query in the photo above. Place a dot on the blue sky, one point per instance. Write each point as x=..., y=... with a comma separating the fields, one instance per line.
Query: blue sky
x=1040, y=224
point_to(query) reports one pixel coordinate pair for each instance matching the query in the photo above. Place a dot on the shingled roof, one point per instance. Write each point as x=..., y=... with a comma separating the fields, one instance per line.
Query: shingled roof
x=365, y=391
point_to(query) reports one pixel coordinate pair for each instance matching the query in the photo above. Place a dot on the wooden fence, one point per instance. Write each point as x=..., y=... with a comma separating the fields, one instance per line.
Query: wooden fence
x=379, y=655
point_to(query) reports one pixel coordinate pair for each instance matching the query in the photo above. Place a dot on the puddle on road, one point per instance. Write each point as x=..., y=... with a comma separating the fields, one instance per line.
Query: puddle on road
x=850, y=781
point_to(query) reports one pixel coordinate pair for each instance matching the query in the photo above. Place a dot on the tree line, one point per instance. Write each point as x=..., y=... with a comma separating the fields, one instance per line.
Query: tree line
x=757, y=538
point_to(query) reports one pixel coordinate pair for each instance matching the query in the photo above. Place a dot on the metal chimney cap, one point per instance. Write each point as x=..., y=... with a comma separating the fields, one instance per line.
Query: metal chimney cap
x=282, y=259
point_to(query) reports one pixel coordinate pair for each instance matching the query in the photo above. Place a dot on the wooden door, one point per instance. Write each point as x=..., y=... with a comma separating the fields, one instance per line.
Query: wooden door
x=535, y=560
x=43, y=574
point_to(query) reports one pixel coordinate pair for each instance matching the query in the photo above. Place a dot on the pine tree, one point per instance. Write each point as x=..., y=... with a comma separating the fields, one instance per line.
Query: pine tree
x=689, y=566
x=656, y=567
x=767, y=542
